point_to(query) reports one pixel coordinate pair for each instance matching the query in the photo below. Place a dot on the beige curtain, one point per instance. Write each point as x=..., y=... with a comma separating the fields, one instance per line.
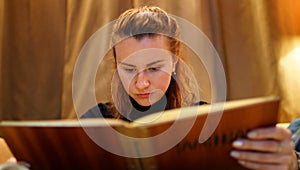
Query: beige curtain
x=1, y=39
x=41, y=40
x=32, y=60
x=83, y=19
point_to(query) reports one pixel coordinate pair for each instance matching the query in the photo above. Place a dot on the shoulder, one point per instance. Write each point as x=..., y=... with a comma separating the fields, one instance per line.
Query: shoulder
x=294, y=125
x=101, y=110
x=295, y=129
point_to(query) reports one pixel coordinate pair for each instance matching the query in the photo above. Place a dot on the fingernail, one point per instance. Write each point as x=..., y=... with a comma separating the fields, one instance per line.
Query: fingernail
x=235, y=154
x=252, y=134
x=242, y=162
x=238, y=143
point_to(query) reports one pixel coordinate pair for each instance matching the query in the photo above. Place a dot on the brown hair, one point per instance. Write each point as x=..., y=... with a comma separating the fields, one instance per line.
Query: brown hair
x=149, y=21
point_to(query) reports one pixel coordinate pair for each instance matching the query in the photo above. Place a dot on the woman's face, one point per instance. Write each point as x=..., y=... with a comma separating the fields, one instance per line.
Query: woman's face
x=145, y=67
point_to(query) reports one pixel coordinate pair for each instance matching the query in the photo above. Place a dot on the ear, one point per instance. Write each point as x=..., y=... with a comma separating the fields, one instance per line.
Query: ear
x=175, y=61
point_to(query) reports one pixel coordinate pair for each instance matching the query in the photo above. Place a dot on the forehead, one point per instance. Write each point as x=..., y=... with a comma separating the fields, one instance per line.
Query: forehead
x=145, y=48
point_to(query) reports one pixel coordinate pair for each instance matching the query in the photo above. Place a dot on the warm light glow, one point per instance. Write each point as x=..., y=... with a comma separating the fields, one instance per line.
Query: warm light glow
x=292, y=61
x=289, y=73
x=294, y=56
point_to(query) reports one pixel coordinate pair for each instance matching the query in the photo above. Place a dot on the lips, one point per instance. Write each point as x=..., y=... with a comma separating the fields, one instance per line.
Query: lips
x=143, y=95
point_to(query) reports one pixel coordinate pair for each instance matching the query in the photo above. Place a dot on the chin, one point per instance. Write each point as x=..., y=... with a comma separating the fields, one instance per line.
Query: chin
x=144, y=104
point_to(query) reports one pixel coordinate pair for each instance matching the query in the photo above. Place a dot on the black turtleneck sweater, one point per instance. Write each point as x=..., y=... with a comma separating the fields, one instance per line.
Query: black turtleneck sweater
x=103, y=110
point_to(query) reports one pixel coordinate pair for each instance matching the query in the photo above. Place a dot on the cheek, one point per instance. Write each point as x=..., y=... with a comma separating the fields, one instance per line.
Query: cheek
x=162, y=81
x=126, y=81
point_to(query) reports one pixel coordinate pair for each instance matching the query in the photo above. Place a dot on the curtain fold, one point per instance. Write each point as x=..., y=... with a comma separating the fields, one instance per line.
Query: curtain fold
x=32, y=59
x=248, y=49
x=1, y=41
x=83, y=19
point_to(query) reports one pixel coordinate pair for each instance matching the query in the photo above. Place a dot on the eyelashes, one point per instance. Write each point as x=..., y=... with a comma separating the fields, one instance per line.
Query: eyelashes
x=149, y=69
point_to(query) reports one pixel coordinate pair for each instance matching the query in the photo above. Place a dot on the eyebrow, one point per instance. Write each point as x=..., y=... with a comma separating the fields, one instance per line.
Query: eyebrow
x=155, y=62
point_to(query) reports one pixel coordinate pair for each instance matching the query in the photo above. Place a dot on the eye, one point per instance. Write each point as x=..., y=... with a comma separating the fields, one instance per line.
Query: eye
x=153, y=69
x=129, y=70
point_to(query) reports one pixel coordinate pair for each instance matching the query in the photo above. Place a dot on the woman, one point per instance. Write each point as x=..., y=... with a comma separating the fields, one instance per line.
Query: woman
x=151, y=77
x=149, y=67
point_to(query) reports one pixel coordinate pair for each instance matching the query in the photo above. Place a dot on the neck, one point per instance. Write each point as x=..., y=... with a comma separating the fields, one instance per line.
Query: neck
x=140, y=111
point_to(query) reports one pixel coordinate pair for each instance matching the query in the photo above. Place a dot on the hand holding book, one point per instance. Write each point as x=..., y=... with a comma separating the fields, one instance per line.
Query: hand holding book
x=266, y=148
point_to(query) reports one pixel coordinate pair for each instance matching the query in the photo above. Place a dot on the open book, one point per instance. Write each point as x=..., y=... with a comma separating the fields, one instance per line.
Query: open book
x=197, y=137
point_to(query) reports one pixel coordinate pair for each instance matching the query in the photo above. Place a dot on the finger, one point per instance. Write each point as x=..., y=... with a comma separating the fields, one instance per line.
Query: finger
x=259, y=157
x=12, y=160
x=277, y=133
x=261, y=166
x=285, y=146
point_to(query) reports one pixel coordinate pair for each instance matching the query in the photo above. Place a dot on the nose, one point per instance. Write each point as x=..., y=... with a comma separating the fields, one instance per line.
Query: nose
x=142, y=81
